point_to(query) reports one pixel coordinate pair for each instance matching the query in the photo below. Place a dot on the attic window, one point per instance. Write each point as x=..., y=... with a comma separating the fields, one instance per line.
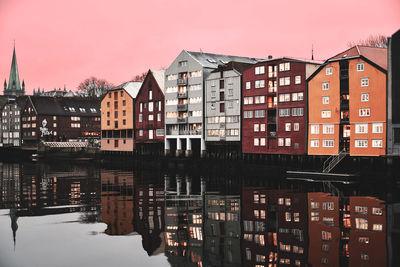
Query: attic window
x=211, y=60
x=83, y=110
x=93, y=110
x=224, y=62
x=345, y=55
x=72, y=109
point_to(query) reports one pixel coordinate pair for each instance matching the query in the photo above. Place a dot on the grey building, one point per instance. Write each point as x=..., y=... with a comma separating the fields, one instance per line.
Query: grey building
x=184, y=99
x=11, y=122
x=223, y=104
x=393, y=95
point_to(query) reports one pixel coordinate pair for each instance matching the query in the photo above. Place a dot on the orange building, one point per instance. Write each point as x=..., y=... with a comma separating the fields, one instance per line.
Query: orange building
x=117, y=117
x=367, y=245
x=347, y=104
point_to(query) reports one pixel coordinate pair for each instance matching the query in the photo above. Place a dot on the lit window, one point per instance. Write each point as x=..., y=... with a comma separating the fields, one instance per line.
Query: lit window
x=361, y=224
x=377, y=227
x=288, y=216
x=377, y=211
x=326, y=235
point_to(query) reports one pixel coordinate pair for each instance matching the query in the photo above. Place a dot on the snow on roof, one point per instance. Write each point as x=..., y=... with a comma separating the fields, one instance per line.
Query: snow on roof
x=209, y=60
x=160, y=78
x=132, y=88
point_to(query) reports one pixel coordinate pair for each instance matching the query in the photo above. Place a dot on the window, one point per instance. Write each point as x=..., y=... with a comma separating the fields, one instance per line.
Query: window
x=248, y=114
x=314, y=216
x=159, y=117
x=364, y=112
x=140, y=107
x=288, y=216
x=222, y=107
x=377, y=227
x=328, y=71
x=314, y=143
x=260, y=70
x=284, y=66
x=328, y=206
x=314, y=128
x=296, y=126
x=364, y=82
x=297, y=96
x=221, y=84
x=280, y=141
x=150, y=106
x=287, y=127
x=248, y=100
x=124, y=122
x=297, y=79
x=361, y=210
x=259, y=99
x=284, y=81
x=326, y=235
x=256, y=127
x=151, y=117
x=325, y=100
x=140, y=132
x=262, y=141
x=287, y=141
x=325, y=86
x=248, y=85
x=364, y=240
x=262, y=127
x=140, y=117
x=377, y=211
x=328, y=129
x=327, y=143
x=296, y=217
x=182, y=63
x=256, y=142
x=325, y=247
x=259, y=84
x=297, y=112
x=362, y=143
x=150, y=94
x=377, y=127
x=360, y=67
x=284, y=112
x=361, y=224
x=364, y=256
x=259, y=113
x=325, y=114
x=364, y=97
x=116, y=124
x=361, y=128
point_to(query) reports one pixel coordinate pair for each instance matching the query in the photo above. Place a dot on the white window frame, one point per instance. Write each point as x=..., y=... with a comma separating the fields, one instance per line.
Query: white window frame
x=377, y=143
x=325, y=86
x=377, y=127
x=360, y=66
x=328, y=114
x=361, y=128
x=325, y=100
x=328, y=70
x=314, y=143
x=297, y=79
x=364, y=82
x=364, y=97
x=314, y=129
x=366, y=110
x=328, y=129
x=328, y=143
x=361, y=143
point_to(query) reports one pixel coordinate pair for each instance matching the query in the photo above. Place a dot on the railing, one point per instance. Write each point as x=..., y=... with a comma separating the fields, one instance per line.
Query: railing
x=272, y=134
x=66, y=144
x=182, y=81
x=182, y=120
x=190, y=132
x=182, y=107
x=333, y=161
x=182, y=95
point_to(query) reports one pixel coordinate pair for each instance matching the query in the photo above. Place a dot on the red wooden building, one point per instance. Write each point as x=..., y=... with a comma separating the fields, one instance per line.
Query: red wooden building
x=149, y=114
x=274, y=117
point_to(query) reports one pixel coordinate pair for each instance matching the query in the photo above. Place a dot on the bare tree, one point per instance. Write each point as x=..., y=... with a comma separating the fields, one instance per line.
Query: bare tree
x=378, y=40
x=139, y=77
x=94, y=87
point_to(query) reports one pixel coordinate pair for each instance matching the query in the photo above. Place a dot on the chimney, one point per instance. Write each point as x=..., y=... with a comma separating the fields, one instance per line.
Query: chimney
x=270, y=57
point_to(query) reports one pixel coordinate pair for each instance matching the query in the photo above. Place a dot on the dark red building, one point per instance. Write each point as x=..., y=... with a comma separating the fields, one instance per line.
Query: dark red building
x=149, y=113
x=59, y=119
x=274, y=117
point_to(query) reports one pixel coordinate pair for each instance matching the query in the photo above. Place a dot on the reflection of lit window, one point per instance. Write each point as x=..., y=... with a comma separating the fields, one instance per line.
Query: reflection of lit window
x=288, y=216
x=361, y=224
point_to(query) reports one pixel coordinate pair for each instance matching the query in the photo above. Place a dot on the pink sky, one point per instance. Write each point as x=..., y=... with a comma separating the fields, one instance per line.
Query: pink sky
x=64, y=42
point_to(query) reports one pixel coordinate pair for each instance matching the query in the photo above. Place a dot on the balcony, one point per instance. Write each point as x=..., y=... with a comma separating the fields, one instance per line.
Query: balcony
x=182, y=95
x=190, y=132
x=272, y=134
x=271, y=119
x=182, y=81
x=182, y=107
x=182, y=119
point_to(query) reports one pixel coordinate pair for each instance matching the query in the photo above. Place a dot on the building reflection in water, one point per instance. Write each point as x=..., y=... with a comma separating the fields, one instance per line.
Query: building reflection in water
x=255, y=226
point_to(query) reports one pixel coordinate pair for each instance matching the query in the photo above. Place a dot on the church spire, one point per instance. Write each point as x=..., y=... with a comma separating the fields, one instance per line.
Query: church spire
x=13, y=81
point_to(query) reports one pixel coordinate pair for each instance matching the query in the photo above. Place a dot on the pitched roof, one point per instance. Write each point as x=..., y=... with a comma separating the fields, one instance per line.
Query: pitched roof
x=377, y=55
x=14, y=75
x=160, y=78
x=132, y=88
x=66, y=106
x=209, y=60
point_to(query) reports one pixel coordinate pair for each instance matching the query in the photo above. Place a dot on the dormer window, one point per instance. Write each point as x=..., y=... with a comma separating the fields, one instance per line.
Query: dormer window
x=72, y=109
x=93, y=110
x=211, y=60
x=83, y=110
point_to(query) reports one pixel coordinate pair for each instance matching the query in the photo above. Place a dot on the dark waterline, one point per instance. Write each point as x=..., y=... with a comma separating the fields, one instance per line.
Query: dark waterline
x=62, y=213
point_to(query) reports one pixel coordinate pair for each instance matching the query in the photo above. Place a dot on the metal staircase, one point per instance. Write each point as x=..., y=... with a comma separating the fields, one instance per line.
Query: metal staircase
x=333, y=160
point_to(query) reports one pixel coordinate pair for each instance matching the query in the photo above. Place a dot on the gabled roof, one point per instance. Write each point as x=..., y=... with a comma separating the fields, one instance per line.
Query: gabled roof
x=208, y=60
x=132, y=88
x=160, y=78
x=66, y=106
x=377, y=55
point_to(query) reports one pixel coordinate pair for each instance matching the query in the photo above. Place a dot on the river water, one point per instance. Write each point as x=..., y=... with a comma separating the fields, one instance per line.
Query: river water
x=84, y=214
